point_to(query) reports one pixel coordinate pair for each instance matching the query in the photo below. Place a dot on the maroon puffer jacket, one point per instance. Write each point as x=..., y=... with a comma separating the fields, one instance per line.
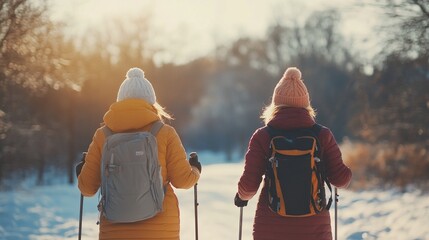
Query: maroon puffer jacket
x=269, y=225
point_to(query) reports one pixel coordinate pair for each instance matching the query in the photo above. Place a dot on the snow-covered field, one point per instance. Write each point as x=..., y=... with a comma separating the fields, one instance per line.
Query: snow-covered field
x=52, y=212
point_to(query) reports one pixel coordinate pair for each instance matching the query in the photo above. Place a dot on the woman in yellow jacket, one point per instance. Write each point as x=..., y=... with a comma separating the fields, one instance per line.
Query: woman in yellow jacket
x=136, y=109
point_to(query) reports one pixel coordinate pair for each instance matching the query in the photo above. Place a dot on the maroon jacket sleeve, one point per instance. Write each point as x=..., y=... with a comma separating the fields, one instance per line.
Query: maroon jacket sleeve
x=255, y=164
x=337, y=172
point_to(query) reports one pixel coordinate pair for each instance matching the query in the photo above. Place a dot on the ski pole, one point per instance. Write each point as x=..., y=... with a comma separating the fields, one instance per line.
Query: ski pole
x=336, y=214
x=80, y=217
x=240, y=226
x=196, y=211
x=193, y=154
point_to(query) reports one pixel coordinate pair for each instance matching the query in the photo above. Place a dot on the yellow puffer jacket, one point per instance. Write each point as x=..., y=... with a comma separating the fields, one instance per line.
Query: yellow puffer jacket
x=129, y=115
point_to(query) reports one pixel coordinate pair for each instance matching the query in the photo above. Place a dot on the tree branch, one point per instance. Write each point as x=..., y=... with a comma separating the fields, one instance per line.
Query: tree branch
x=422, y=7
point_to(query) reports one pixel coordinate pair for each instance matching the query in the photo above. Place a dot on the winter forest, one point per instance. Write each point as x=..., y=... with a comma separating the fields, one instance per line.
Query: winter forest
x=58, y=79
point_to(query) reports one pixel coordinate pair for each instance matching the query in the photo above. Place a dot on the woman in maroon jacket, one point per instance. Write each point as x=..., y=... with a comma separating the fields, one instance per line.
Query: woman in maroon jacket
x=290, y=109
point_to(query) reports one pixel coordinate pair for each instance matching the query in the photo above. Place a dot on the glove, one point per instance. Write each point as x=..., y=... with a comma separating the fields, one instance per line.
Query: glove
x=80, y=165
x=238, y=202
x=193, y=160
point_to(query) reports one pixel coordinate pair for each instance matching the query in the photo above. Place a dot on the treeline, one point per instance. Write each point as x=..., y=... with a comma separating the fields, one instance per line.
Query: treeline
x=54, y=91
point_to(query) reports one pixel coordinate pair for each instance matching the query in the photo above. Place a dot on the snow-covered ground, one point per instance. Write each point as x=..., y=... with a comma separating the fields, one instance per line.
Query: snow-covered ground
x=52, y=212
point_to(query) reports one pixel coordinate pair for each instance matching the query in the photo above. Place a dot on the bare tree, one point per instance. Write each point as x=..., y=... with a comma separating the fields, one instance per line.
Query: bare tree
x=32, y=58
x=407, y=26
x=395, y=96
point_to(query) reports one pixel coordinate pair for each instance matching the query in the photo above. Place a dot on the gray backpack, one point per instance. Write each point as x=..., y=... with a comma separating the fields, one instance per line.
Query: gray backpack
x=131, y=180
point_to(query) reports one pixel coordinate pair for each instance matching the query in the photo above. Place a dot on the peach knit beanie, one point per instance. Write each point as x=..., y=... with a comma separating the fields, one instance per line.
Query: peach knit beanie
x=136, y=85
x=291, y=90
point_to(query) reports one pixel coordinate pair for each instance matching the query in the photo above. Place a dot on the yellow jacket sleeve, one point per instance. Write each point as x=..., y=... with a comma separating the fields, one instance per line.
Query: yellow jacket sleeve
x=179, y=171
x=89, y=179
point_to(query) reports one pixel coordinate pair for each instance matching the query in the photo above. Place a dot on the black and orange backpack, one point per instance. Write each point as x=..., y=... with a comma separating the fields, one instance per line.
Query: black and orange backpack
x=296, y=174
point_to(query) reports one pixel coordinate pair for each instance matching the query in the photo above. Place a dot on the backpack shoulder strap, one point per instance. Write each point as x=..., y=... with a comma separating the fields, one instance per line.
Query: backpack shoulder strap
x=156, y=126
x=271, y=131
x=316, y=128
x=107, y=131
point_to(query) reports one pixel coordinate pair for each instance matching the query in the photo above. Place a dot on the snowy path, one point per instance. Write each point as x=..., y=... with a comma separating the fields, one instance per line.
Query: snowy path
x=52, y=212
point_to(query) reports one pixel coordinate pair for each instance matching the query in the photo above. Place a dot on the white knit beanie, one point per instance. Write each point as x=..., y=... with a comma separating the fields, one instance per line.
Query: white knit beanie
x=136, y=85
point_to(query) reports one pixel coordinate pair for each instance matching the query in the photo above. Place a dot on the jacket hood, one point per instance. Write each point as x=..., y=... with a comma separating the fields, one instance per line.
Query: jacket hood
x=289, y=118
x=130, y=114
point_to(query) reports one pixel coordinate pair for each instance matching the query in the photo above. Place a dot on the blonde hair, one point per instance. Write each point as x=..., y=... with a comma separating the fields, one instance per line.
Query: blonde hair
x=162, y=114
x=271, y=111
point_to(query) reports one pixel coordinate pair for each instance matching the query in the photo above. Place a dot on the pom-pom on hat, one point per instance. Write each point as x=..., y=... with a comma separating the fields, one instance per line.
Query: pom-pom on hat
x=291, y=90
x=136, y=85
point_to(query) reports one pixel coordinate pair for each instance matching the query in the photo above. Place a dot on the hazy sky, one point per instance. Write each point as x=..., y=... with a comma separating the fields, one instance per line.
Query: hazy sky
x=190, y=28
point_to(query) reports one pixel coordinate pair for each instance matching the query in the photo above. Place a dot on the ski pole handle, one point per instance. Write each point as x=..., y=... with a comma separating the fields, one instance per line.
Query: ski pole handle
x=193, y=161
